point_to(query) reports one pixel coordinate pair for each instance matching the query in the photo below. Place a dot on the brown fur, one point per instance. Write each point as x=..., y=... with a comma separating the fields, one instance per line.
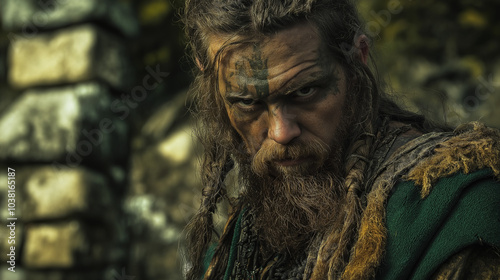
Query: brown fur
x=475, y=147
x=370, y=245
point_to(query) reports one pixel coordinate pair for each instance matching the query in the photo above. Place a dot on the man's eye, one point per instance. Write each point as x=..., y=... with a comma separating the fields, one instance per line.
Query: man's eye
x=246, y=102
x=303, y=92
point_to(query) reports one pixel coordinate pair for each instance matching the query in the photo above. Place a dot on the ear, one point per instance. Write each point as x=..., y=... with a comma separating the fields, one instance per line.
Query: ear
x=198, y=63
x=363, y=49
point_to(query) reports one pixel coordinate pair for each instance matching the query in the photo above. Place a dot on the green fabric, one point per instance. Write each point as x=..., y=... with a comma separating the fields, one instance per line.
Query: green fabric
x=232, y=253
x=208, y=257
x=234, y=246
x=461, y=210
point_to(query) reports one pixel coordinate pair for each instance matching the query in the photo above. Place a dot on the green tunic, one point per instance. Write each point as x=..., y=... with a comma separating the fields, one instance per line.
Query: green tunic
x=462, y=210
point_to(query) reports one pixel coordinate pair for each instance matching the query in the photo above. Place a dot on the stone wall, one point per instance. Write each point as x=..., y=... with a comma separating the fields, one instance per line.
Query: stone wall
x=97, y=131
x=66, y=63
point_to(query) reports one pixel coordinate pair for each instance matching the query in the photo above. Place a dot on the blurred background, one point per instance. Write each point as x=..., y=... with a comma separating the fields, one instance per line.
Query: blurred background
x=94, y=120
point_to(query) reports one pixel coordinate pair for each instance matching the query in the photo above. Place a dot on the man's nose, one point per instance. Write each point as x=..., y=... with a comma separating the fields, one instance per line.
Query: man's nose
x=283, y=126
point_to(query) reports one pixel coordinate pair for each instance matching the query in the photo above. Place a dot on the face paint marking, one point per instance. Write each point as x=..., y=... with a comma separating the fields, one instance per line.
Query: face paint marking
x=260, y=72
x=256, y=76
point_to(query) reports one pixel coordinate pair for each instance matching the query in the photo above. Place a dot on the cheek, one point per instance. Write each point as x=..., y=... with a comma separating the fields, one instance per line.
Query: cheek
x=331, y=119
x=241, y=126
x=250, y=130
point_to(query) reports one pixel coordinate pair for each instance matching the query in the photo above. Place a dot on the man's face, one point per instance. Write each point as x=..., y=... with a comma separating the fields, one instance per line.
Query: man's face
x=284, y=92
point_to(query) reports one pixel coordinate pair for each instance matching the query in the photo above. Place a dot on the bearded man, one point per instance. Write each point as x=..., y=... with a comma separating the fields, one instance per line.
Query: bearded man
x=336, y=181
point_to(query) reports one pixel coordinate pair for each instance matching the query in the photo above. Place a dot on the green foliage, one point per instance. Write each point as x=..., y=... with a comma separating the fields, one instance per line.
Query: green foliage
x=439, y=53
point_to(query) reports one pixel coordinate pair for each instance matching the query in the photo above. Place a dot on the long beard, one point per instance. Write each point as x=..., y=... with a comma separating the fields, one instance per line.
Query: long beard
x=292, y=204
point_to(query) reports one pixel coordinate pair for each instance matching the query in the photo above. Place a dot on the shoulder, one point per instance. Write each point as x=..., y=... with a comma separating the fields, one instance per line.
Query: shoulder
x=448, y=200
x=472, y=147
x=422, y=233
x=468, y=202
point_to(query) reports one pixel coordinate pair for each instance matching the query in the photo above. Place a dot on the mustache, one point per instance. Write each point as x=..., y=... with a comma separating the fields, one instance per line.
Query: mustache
x=315, y=150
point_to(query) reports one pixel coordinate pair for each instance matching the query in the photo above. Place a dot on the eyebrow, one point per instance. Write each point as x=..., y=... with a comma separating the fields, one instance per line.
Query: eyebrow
x=295, y=83
x=292, y=84
x=236, y=94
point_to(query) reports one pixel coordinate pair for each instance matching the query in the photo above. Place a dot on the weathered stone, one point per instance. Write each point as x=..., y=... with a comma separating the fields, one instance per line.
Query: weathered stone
x=69, y=55
x=50, y=193
x=71, y=125
x=164, y=193
x=28, y=17
x=66, y=245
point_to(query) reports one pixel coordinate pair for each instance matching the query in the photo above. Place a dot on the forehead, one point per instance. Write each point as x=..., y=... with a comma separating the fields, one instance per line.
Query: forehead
x=289, y=47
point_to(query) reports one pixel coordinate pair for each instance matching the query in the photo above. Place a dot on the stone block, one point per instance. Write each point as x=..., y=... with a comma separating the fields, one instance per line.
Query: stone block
x=69, y=55
x=72, y=125
x=28, y=17
x=49, y=193
x=68, y=244
x=46, y=192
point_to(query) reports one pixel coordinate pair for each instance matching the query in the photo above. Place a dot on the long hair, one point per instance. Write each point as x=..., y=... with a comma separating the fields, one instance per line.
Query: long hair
x=339, y=25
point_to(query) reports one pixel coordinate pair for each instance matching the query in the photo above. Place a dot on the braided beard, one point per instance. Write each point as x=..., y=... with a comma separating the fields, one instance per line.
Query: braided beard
x=292, y=204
